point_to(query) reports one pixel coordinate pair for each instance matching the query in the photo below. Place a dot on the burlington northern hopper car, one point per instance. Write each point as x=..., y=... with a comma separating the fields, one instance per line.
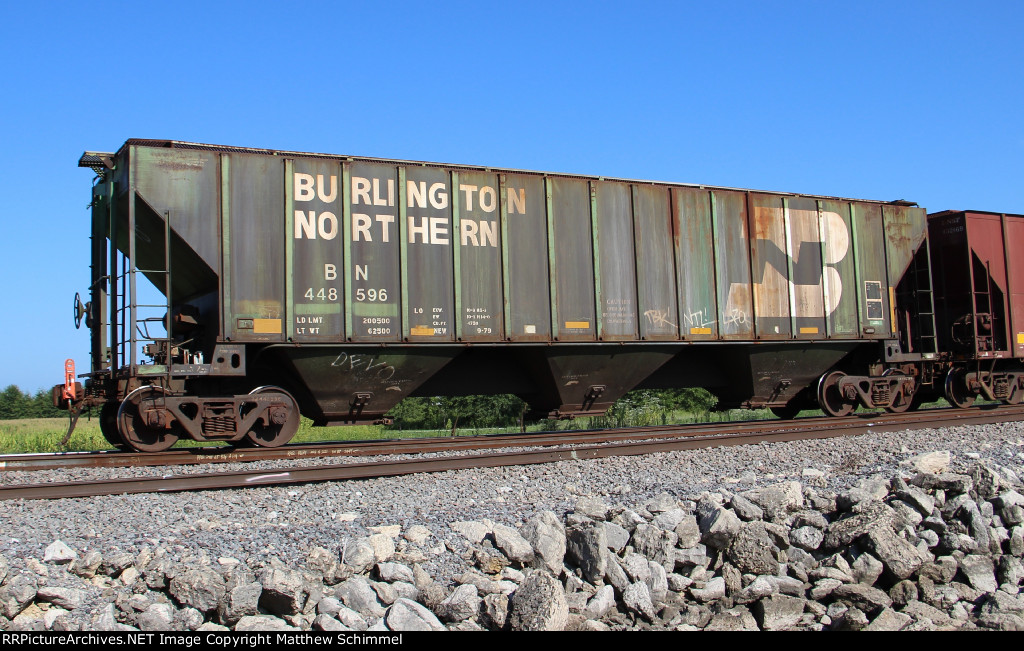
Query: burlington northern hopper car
x=336, y=286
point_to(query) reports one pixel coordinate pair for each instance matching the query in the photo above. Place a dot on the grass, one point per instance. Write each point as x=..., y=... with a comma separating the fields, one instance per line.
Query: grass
x=44, y=434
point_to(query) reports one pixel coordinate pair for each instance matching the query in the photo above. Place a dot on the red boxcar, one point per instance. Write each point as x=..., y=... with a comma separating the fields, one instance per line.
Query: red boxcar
x=979, y=296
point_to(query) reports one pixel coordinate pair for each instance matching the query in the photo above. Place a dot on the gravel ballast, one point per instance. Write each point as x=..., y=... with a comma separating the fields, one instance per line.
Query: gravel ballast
x=769, y=536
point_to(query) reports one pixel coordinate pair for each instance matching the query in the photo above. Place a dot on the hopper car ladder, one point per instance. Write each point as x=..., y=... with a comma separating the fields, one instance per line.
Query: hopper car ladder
x=924, y=310
x=130, y=318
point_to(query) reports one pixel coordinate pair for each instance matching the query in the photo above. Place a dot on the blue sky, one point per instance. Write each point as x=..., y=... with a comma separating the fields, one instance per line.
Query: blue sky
x=871, y=100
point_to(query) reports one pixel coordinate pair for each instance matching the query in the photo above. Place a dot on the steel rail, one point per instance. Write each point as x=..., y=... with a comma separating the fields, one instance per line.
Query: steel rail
x=226, y=454
x=334, y=472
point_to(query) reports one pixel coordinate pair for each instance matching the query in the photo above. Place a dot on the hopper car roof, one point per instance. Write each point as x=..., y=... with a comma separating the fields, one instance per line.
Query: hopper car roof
x=100, y=160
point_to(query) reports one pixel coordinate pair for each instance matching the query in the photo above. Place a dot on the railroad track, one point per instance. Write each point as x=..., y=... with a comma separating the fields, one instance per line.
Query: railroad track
x=549, y=447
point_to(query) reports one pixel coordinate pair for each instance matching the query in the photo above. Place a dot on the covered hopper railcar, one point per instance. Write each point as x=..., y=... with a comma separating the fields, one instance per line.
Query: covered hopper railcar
x=336, y=286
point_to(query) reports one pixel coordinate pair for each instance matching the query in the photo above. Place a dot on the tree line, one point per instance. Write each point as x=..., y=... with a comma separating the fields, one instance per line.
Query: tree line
x=15, y=403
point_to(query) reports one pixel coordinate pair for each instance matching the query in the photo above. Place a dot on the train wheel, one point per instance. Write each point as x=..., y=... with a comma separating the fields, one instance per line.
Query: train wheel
x=830, y=399
x=133, y=427
x=956, y=390
x=283, y=422
x=108, y=425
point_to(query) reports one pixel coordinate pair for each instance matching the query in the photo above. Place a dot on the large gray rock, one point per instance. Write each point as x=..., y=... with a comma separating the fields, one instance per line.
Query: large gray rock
x=717, y=524
x=286, y=591
x=359, y=595
x=406, y=615
x=807, y=538
x=889, y=620
x=866, y=490
x=617, y=537
x=1001, y=602
x=903, y=593
x=734, y=619
x=69, y=598
x=951, y=483
x=899, y=557
x=823, y=589
x=460, y=605
x=637, y=567
x=752, y=550
x=842, y=533
x=866, y=569
x=494, y=611
x=669, y=520
x=58, y=552
x=661, y=503
x=918, y=499
x=201, y=588
x=980, y=572
x=658, y=583
x=386, y=592
x=546, y=535
x=262, y=623
x=941, y=570
x=358, y=555
x=865, y=598
x=778, y=612
x=602, y=601
x=592, y=507
x=696, y=556
x=746, y=509
x=156, y=573
x=324, y=563
x=614, y=573
x=932, y=463
x=241, y=600
x=17, y=593
x=1010, y=570
x=777, y=500
x=157, y=617
x=539, y=604
x=392, y=572
x=688, y=532
x=637, y=598
x=986, y=480
x=585, y=547
x=713, y=590
x=921, y=611
x=383, y=546
x=759, y=588
x=655, y=543
x=977, y=524
x=1007, y=499
x=117, y=561
x=329, y=624
x=1002, y=622
x=512, y=544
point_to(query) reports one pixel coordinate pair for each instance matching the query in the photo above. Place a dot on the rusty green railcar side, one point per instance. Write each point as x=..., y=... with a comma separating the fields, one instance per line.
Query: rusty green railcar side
x=350, y=283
